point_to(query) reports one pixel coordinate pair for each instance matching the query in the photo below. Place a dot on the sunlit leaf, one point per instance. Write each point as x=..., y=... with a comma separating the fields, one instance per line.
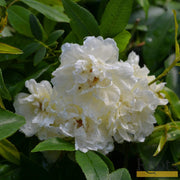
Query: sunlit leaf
x=9, y=151
x=9, y=123
x=7, y=49
x=162, y=142
x=122, y=40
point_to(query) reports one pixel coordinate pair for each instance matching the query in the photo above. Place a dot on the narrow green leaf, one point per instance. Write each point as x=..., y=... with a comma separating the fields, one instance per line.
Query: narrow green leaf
x=7, y=49
x=173, y=100
x=122, y=40
x=9, y=151
x=145, y=5
x=54, y=36
x=82, y=21
x=92, y=165
x=19, y=19
x=54, y=144
x=2, y=3
x=54, y=13
x=115, y=17
x=162, y=142
x=9, y=123
x=4, y=93
x=35, y=27
x=120, y=174
x=176, y=34
x=40, y=54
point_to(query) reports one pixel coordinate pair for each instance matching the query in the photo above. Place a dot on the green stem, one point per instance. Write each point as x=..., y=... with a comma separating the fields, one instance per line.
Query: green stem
x=166, y=71
x=47, y=47
x=12, y=3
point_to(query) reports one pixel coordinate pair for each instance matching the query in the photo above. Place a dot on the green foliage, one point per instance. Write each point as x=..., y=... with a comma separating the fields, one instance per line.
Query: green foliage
x=2, y=3
x=9, y=123
x=115, y=17
x=159, y=40
x=92, y=165
x=9, y=151
x=121, y=174
x=30, y=44
x=122, y=40
x=54, y=13
x=54, y=144
x=7, y=49
x=4, y=93
x=19, y=19
x=82, y=21
x=145, y=5
x=39, y=56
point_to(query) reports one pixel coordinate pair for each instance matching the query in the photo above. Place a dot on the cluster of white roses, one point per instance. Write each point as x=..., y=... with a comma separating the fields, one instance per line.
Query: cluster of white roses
x=95, y=98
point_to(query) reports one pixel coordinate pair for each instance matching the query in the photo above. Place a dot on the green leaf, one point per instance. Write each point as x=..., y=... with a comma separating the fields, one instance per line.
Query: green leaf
x=115, y=17
x=3, y=90
x=54, y=144
x=82, y=21
x=19, y=19
x=145, y=5
x=40, y=54
x=107, y=161
x=7, y=49
x=36, y=28
x=30, y=49
x=9, y=123
x=2, y=3
x=92, y=165
x=54, y=13
x=54, y=36
x=122, y=40
x=48, y=25
x=158, y=41
x=120, y=174
x=9, y=151
x=173, y=100
x=162, y=142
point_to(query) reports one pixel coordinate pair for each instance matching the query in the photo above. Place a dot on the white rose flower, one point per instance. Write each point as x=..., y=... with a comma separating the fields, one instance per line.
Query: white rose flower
x=135, y=115
x=104, y=98
x=38, y=109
